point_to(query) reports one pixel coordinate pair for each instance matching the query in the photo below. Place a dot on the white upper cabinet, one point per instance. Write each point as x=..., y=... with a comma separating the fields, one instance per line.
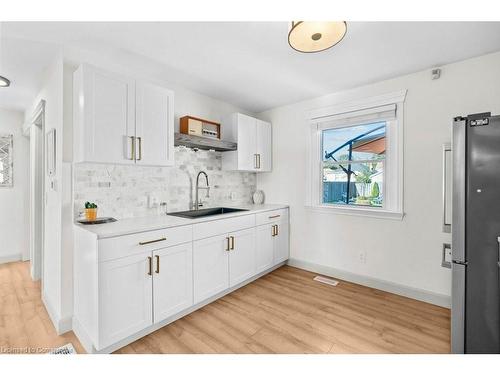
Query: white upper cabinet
x=264, y=145
x=254, y=138
x=119, y=120
x=154, y=138
x=104, y=116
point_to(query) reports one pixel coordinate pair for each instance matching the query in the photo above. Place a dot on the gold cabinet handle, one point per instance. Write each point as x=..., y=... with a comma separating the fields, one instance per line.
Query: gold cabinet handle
x=140, y=148
x=232, y=242
x=157, y=264
x=255, y=161
x=153, y=241
x=277, y=231
x=132, y=153
x=274, y=216
x=258, y=161
x=150, y=264
x=272, y=231
x=228, y=244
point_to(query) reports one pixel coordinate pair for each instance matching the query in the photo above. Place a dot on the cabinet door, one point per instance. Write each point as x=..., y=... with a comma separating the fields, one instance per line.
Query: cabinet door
x=125, y=298
x=247, y=146
x=264, y=249
x=241, y=256
x=172, y=280
x=154, y=125
x=109, y=116
x=210, y=267
x=281, y=246
x=264, y=146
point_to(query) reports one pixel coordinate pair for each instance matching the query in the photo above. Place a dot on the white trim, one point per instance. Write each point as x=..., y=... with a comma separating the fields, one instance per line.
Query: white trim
x=378, y=213
x=358, y=104
x=61, y=325
x=423, y=295
x=10, y=258
x=363, y=116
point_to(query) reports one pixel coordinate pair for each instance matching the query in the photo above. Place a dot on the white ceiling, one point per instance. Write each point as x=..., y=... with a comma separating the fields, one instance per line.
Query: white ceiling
x=248, y=64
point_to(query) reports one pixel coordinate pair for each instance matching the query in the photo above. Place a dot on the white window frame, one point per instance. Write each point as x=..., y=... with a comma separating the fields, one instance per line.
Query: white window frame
x=352, y=114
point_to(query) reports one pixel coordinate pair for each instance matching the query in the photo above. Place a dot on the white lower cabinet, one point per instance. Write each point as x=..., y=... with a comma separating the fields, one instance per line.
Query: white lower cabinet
x=272, y=244
x=223, y=261
x=241, y=256
x=172, y=280
x=125, y=290
x=264, y=249
x=210, y=267
x=281, y=248
x=124, y=285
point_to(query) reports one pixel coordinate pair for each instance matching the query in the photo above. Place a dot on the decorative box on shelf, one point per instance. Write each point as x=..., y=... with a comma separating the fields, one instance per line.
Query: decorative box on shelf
x=202, y=128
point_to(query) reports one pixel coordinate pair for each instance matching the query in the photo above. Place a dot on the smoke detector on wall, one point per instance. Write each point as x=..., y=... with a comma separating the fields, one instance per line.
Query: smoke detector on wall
x=435, y=73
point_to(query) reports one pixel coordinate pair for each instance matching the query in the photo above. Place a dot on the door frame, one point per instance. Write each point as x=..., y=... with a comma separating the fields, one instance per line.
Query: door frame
x=37, y=192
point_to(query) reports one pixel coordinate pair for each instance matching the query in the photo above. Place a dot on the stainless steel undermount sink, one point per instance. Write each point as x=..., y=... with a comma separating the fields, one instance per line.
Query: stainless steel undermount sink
x=193, y=214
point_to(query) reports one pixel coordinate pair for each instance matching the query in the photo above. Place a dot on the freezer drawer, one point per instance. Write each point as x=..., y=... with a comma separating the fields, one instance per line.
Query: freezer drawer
x=457, y=308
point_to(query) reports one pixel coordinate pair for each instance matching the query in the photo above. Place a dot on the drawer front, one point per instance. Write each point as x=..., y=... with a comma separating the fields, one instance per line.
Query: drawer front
x=118, y=247
x=271, y=216
x=216, y=227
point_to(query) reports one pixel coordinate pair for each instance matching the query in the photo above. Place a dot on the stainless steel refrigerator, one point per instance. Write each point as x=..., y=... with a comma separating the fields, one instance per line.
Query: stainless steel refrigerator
x=475, y=311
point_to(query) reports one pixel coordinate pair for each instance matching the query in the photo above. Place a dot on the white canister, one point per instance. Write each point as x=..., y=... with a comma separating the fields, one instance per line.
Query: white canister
x=258, y=197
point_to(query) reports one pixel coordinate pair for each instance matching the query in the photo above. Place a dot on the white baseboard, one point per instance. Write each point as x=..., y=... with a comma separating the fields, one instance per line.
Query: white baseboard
x=62, y=325
x=10, y=258
x=387, y=286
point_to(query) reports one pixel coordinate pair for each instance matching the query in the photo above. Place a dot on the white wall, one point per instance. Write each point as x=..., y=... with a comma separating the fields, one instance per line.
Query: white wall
x=51, y=90
x=407, y=252
x=14, y=221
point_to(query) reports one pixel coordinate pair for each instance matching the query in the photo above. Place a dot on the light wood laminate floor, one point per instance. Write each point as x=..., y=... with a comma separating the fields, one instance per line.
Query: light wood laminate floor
x=282, y=312
x=25, y=326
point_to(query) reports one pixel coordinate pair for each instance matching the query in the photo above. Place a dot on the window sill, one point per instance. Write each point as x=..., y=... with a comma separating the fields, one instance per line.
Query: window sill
x=357, y=211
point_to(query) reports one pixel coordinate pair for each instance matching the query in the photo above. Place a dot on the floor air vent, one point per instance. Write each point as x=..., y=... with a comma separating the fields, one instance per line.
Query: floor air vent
x=326, y=280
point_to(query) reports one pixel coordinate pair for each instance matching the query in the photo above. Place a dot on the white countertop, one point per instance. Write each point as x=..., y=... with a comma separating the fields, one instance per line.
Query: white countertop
x=144, y=224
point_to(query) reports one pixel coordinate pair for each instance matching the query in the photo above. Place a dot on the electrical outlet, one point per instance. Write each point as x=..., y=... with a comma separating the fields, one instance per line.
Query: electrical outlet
x=362, y=257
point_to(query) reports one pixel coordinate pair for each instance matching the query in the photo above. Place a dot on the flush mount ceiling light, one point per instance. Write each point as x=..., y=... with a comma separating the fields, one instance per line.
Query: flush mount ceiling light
x=306, y=36
x=4, y=82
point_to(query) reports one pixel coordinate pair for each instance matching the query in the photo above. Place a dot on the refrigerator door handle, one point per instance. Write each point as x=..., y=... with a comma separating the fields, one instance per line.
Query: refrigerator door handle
x=498, y=240
x=446, y=187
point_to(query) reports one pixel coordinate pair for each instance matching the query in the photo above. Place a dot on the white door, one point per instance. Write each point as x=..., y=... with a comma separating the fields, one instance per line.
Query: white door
x=281, y=242
x=241, y=256
x=210, y=267
x=109, y=116
x=264, y=146
x=247, y=146
x=264, y=249
x=154, y=125
x=125, y=298
x=172, y=280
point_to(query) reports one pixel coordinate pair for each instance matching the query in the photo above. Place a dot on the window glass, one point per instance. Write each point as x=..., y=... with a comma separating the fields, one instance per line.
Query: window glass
x=353, y=165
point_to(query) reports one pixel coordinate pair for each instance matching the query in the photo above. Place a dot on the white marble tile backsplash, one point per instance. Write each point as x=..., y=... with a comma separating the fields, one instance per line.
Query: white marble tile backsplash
x=122, y=191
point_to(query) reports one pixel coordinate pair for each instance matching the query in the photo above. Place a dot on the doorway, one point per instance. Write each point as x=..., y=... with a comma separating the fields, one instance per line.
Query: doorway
x=37, y=190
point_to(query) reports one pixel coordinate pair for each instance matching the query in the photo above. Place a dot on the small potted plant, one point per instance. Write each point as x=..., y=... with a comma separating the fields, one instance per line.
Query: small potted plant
x=90, y=211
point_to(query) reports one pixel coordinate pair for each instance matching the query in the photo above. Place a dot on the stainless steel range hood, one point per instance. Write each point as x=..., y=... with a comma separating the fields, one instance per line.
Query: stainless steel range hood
x=203, y=143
